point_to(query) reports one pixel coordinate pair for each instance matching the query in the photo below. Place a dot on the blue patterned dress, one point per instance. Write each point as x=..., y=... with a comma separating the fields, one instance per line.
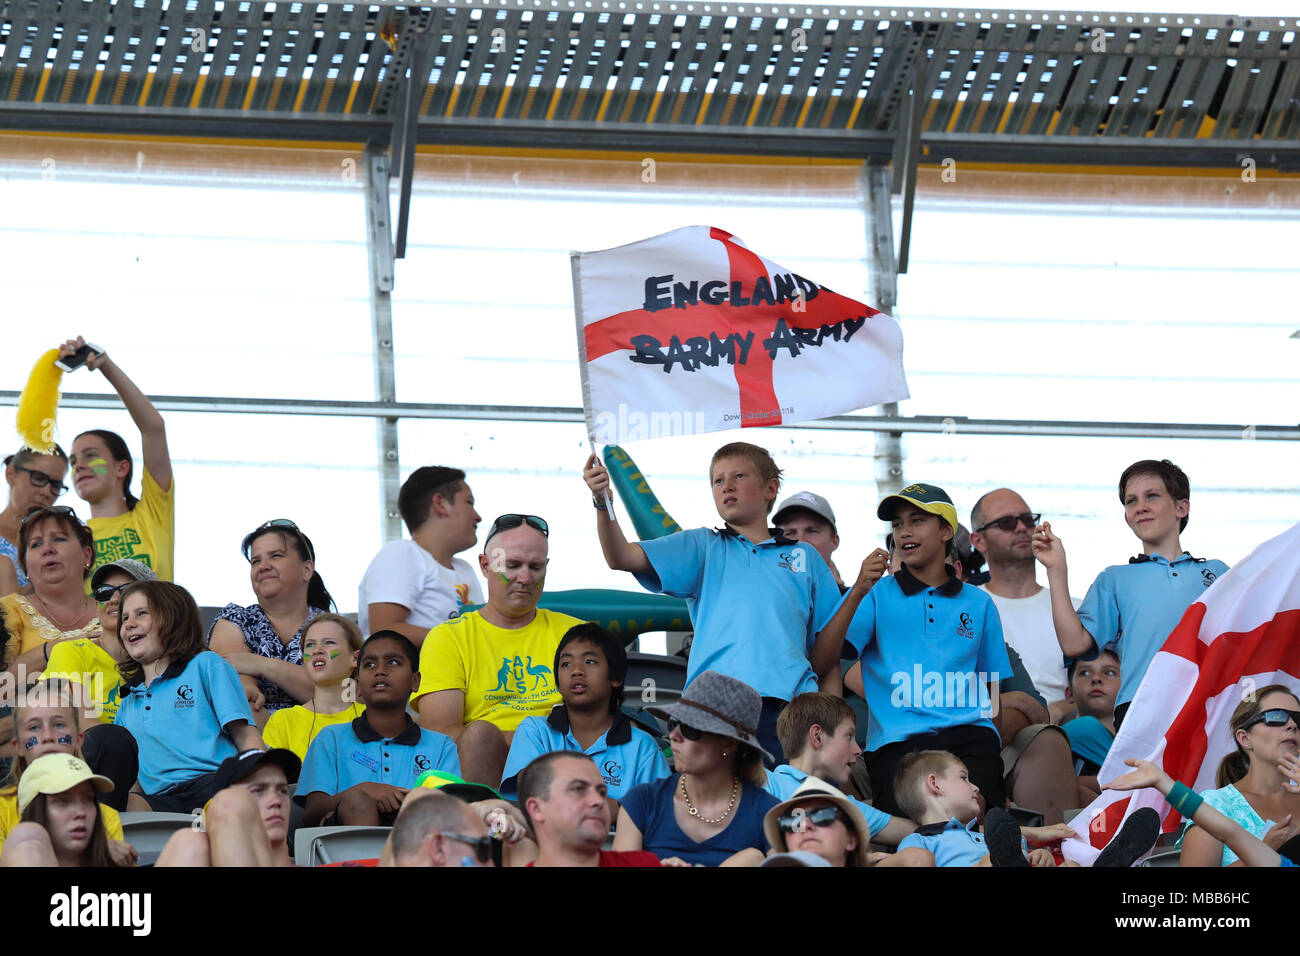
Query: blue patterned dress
x=261, y=639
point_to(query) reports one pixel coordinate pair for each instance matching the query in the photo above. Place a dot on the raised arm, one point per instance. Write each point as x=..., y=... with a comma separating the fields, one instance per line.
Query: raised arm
x=620, y=554
x=153, y=434
x=1249, y=848
x=830, y=639
x=1073, y=637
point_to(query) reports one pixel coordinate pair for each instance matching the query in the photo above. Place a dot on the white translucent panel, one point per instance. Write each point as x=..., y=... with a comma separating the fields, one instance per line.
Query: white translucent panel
x=194, y=289
x=233, y=472
x=1166, y=316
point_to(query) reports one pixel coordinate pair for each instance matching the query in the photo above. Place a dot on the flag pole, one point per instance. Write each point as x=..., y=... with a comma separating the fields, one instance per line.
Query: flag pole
x=575, y=264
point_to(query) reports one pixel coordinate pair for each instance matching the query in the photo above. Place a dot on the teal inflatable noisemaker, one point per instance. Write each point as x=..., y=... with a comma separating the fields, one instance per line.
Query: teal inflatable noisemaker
x=625, y=613
x=647, y=514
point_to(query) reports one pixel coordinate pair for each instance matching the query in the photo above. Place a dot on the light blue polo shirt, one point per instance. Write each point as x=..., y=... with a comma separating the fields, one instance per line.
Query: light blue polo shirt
x=626, y=755
x=953, y=843
x=785, y=780
x=1137, y=605
x=179, y=721
x=926, y=654
x=345, y=755
x=756, y=608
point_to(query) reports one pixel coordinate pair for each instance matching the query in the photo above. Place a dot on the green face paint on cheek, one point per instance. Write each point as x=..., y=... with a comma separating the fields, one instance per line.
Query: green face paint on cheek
x=505, y=578
x=99, y=466
x=334, y=654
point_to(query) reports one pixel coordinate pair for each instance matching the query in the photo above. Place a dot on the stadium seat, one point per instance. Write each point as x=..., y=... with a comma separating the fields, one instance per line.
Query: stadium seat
x=667, y=673
x=149, y=832
x=316, y=846
x=1169, y=857
x=206, y=616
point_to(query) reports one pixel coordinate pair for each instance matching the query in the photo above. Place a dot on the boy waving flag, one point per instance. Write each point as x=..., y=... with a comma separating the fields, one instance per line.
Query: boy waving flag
x=691, y=332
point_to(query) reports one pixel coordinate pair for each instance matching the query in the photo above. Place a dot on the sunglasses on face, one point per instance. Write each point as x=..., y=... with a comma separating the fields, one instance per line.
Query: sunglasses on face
x=482, y=845
x=689, y=732
x=821, y=817
x=276, y=524
x=1275, y=717
x=506, y=522
x=40, y=479
x=62, y=510
x=1009, y=522
x=104, y=593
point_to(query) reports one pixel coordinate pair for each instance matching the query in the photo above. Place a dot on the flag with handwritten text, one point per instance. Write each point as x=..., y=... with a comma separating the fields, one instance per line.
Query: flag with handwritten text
x=1243, y=635
x=692, y=332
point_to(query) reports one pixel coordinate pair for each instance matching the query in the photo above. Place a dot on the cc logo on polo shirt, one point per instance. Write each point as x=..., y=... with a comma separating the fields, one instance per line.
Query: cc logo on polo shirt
x=422, y=762
x=184, y=692
x=966, y=627
x=1208, y=576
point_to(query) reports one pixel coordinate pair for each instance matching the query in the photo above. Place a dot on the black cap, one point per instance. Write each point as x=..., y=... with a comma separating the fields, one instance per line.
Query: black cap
x=235, y=769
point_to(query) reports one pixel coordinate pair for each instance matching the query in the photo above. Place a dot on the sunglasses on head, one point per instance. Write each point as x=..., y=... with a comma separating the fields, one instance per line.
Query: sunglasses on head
x=689, y=732
x=482, y=845
x=1274, y=717
x=104, y=593
x=40, y=479
x=1009, y=522
x=276, y=524
x=506, y=522
x=821, y=817
x=62, y=511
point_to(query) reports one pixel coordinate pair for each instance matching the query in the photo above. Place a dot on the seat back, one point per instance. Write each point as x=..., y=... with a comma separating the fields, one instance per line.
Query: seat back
x=315, y=846
x=149, y=832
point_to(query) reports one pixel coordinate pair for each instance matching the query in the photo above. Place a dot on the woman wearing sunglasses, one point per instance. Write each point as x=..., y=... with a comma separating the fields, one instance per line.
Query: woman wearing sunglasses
x=819, y=819
x=35, y=481
x=1258, y=782
x=709, y=813
x=55, y=551
x=94, y=663
x=264, y=641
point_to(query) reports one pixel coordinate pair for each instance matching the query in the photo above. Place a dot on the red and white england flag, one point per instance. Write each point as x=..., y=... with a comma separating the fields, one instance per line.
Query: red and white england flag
x=692, y=332
x=1243, y=634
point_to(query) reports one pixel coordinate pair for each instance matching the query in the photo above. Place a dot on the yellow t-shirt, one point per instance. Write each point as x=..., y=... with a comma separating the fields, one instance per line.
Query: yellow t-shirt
x=146, y=533
x=294, y=728
x=9, y=816
x=29, y=628
x=505, y=674
x=88, y=664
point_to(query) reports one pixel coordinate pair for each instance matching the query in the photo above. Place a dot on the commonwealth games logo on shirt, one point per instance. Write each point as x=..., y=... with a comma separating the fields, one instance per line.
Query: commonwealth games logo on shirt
x=516, y=675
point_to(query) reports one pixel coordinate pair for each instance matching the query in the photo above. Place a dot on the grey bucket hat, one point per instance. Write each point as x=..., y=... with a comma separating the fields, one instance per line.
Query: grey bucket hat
x=718, y=704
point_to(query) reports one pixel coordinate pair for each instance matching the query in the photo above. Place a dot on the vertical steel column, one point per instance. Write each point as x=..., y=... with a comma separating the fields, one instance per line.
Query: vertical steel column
x=884, y=283
x=379, y=248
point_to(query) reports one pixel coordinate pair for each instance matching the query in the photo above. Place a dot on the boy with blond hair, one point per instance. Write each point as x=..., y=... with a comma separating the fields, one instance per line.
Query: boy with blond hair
x=756, y=598
x=935, y=790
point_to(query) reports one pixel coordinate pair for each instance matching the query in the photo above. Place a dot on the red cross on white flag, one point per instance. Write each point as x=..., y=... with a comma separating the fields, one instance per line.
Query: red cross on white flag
x=691, y=332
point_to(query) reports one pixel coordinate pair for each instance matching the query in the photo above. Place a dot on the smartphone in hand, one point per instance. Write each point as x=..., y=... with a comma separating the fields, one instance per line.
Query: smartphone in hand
x=78, y=358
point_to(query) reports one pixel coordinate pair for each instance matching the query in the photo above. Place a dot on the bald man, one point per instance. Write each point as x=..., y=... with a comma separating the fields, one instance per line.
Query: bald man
x=484, y=672
x=1003, y=532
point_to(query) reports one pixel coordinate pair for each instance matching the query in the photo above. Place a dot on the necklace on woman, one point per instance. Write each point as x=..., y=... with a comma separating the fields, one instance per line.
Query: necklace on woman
x=694, y=811
x=55, y=621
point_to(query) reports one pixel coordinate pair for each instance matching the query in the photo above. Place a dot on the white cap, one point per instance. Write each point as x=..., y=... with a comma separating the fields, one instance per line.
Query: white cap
x=809, y=502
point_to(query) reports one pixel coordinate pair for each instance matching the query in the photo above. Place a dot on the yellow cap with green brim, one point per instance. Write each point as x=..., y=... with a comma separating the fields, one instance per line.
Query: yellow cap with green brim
x=930, y=498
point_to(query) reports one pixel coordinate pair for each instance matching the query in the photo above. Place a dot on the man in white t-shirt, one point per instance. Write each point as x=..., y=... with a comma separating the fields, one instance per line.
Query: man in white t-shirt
x=1004, y=530
x=413, y=586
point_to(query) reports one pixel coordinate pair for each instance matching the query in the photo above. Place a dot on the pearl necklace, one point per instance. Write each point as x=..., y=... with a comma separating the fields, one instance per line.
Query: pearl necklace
x=694, y=811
